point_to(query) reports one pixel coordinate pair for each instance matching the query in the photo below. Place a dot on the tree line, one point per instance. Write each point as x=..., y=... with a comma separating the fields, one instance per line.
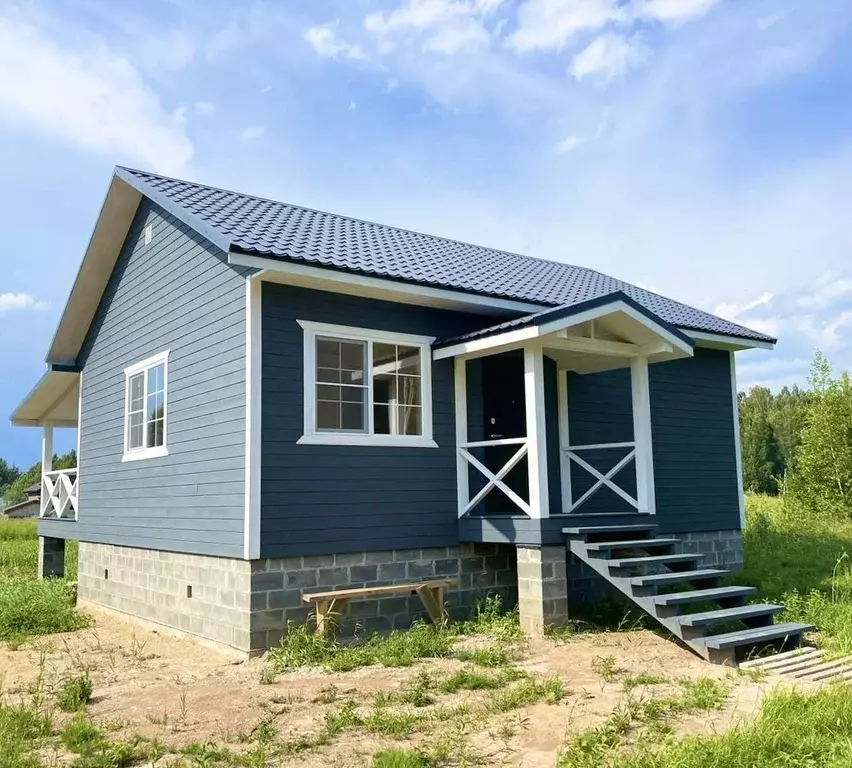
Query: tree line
x=799, y=441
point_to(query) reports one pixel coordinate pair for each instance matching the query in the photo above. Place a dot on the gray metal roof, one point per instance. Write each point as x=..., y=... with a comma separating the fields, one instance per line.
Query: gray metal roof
x=261, y=227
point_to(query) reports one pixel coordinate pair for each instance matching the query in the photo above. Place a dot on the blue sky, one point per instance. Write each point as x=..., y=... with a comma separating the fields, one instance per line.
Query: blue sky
x=701, y=148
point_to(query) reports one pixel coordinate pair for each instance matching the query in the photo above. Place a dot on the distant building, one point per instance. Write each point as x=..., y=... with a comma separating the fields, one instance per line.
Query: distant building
x=28, y=508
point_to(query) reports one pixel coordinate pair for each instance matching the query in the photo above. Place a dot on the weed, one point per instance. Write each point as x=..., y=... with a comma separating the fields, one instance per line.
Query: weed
x=471, y=680
x=490, y=617
x=74, y=693
x=31, y=607
x=492, y=656
x=605, y=667
x=634, y=681
x=327, y=695
x=529, y=691
x=417, y=693
x=401, y=758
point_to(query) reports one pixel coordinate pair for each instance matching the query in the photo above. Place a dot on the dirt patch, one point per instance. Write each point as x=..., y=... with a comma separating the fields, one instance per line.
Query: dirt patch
x=179, y=692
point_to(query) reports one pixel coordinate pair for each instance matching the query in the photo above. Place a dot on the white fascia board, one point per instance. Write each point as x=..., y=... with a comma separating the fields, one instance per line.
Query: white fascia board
x=732, y=343
x=328, y=279
x=488, y=345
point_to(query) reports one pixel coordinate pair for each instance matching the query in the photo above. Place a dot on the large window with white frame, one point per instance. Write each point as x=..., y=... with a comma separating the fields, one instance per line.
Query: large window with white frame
x=366, y=387
x=145, y=408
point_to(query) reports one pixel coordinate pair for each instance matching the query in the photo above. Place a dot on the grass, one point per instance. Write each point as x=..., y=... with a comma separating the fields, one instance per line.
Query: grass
x=74, y=693
x=802, y=562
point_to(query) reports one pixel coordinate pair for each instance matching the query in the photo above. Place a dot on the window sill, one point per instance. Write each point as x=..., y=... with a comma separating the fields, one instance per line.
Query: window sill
x=147, y=453
x=387, y=441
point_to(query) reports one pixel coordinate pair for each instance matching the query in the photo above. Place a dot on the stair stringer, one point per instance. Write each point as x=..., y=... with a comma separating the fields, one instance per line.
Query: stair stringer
x=622, y=584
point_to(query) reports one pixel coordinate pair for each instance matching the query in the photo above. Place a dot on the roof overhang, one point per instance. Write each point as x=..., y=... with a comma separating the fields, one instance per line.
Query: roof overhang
x=730, y=343
x=54, y=400
x=114, y=220
x=597, y=335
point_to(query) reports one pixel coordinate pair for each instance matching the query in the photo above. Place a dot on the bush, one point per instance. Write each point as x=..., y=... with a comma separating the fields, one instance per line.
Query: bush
x=74, y=693
x=29, y=607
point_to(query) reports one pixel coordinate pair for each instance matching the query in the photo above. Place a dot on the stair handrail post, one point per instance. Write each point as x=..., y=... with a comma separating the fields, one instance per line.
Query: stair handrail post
x=642, y=435
x=536, y=422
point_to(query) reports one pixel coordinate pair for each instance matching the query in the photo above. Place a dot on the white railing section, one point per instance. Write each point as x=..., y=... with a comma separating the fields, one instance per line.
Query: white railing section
x=495, y=479
x=603, y=480
x=59, y=494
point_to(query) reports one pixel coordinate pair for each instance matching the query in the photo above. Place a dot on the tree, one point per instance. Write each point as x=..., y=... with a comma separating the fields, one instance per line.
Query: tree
x=8, y=475
x=760, y=455
x=825, y=455
x=17, y=490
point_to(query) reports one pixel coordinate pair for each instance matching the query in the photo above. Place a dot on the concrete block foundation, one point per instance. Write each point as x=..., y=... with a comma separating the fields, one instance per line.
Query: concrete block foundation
x=542, y=588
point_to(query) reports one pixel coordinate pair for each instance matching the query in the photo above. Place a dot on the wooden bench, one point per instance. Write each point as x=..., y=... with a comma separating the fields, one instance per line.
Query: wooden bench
x=431, y=594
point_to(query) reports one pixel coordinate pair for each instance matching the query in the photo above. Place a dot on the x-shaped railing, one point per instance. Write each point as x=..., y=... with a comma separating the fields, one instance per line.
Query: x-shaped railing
x=603, y=479
x=59, y=493
x=495, y=479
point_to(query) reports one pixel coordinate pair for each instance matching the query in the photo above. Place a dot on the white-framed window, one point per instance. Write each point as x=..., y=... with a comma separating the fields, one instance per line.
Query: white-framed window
x=145, y=408
x=366, y=387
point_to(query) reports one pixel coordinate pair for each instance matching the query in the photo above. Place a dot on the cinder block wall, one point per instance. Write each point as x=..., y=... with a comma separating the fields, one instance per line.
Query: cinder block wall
x=247, y=604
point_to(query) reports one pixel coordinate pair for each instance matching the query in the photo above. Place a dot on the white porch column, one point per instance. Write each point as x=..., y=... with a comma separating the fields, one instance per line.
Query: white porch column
x=642, y=435
x=46, y=462
x=536, y=431
x=462, y=480
x=564, y=441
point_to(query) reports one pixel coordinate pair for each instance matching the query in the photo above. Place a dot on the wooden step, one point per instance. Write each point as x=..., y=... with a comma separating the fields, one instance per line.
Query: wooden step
x=659, y=579
x=626, y=562
x=600, y=546
x=753, y=636
x=587, y=529
x=700, y=595
x=743, y=613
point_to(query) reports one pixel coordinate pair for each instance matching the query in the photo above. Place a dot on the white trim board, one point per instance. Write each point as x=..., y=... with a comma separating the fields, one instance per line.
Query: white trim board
x=721, y=341
x=737, y=444
x=254, y=379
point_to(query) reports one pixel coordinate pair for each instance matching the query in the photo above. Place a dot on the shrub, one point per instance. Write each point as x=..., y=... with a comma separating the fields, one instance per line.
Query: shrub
x=74, y=693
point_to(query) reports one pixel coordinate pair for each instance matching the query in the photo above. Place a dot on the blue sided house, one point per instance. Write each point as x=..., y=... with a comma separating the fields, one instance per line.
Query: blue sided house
x=273, y=402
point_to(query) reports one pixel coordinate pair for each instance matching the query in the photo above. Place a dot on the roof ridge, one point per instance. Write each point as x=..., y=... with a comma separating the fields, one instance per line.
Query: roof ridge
x=366, y=221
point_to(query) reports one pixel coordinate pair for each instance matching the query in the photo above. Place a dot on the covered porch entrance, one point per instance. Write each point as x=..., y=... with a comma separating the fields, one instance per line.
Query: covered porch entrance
x=515, y=454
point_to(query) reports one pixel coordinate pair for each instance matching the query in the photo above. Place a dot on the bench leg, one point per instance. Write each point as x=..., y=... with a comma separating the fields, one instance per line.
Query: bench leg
x=326, y=607
x=433, y=601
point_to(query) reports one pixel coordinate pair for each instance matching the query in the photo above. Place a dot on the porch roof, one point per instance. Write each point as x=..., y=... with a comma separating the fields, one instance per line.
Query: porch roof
x=53, y=400
x=600, y=334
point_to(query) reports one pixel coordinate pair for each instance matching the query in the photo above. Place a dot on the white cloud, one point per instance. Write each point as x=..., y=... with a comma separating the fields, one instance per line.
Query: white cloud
x=442, y=26
x=734, y=311
x=609, y=56
x=353, y=105
x=91, y=97
x=14, y=301
x=203, y=108
x=326, y=42
x=675, y=11
x=826, y=291
x=252, y=132
x=569, y=144
x=548, y=24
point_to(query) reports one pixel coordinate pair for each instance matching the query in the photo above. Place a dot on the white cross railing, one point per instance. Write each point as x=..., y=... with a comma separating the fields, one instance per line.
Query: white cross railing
x=59, y=494
x=603, y=480
x=495, y=479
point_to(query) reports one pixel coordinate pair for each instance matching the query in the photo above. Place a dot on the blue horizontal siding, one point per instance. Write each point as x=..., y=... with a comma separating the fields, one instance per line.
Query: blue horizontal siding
x=177, y=293
x=319, y=499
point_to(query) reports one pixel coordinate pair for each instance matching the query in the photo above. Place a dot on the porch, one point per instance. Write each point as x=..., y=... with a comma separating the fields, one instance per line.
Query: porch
x=52, y=404
x=520, y=475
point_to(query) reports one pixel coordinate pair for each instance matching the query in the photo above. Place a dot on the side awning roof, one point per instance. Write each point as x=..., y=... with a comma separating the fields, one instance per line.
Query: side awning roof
x=54, y=400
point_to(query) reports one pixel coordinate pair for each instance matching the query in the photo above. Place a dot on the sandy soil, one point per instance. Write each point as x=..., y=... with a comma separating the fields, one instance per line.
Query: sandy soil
x=179, y=691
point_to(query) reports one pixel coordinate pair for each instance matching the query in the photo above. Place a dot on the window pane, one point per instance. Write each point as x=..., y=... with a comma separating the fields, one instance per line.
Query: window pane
x=409, y=360
x=384, y=388
x=155, y=433
x=328, y=354
x=137, y=394
x=352, y=355
x=408, y=390
x=352, y=394
x=156, y=406
x=327, y=392
x=328, y=374
x=156, y=379
x=381, y=419
x=408, y=420
x=134, y=431
x=352, y=416
x=159, y=432
x=384, y=358
x=328, y=415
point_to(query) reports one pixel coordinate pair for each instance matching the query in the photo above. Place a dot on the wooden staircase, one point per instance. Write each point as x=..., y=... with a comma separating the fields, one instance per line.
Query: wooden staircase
x=715, y=621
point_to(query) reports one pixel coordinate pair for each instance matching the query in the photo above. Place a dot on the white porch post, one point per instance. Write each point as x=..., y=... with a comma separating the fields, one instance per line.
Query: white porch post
x=46, y=462
x=536, y=431
x=462, y=479
x=642, y=435
x=564, y=440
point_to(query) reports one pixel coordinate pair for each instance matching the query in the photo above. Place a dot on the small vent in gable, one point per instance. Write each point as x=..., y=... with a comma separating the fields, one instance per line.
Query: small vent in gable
x=149, y=234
